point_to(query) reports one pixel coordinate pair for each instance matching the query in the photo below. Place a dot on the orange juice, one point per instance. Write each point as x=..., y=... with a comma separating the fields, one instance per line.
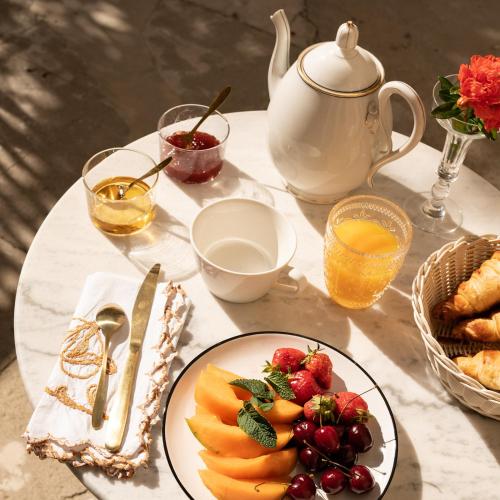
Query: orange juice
x=361, y=258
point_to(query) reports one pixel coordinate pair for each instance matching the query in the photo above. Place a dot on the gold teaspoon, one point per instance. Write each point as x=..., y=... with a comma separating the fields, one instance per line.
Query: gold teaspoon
x=123, y=189
x=110, y=319
x=188, y=138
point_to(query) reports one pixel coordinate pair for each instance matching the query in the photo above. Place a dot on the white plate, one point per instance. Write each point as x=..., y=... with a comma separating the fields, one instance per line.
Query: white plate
x=245, y=355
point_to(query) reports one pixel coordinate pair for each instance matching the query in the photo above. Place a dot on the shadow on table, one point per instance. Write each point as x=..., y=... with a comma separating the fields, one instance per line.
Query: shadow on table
x=317, y=215
x=407, y=480
x=312, y=309
x=389, y=325
x=165, y=241
x=231, y=182
x=486, y=427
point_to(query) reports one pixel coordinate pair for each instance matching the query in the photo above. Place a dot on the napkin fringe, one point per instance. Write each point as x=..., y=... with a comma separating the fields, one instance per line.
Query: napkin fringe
x=83, y=453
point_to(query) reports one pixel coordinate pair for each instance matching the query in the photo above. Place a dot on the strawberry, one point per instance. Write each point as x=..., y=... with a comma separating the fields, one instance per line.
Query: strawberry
x=287, y=359
x=351, y=407
x=304, y=386
x=320, y=365
x=320, y=409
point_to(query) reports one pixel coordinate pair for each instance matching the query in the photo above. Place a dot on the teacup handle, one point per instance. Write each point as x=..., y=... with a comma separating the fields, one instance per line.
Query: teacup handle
x=295, y=275
x=417, y=108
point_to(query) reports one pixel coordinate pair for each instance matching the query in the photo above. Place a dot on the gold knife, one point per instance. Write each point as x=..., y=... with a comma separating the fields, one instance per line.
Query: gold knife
x=118, y=417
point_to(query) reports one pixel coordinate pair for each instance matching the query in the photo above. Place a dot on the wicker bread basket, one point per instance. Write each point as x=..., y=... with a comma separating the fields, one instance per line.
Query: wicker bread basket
x=436, y=280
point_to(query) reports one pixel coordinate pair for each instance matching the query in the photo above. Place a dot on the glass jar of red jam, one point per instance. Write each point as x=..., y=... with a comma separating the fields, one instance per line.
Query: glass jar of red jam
x=201, y=159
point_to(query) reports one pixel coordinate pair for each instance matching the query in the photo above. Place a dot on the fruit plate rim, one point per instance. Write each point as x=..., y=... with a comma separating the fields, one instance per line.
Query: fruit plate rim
x=281, y=332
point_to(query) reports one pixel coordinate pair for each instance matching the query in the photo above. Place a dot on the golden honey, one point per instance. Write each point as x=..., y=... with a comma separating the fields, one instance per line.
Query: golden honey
x=121, y=216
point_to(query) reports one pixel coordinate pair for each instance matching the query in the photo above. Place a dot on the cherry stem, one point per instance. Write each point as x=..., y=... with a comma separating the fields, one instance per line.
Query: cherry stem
x=329, y=459
x=256, y=487
x=352, y=399
x=389, y=441
x=376, y=470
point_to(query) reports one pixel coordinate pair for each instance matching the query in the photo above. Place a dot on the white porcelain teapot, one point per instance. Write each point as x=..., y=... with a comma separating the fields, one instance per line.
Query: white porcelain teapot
x=330, y=118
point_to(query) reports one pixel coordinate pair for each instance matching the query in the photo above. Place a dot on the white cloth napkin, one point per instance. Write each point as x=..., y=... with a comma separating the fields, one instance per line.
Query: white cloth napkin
x=60, y=426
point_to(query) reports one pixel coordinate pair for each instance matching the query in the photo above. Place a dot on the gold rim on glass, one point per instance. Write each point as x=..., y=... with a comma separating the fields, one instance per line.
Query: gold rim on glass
x=86, y=169
x=204, y=108
x=395, y=208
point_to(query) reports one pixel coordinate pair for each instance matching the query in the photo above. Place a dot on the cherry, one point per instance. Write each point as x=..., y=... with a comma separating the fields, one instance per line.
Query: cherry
x=310, y=459
x=302, y=487
x=340, y=428
x=333, y=480
x=361, y=479
x=304, y=432
x=327, y=439
x=346, y=455
x=359, y=436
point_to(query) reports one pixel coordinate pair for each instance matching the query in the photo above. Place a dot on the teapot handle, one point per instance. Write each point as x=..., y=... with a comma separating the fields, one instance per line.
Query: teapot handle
x=417, y=108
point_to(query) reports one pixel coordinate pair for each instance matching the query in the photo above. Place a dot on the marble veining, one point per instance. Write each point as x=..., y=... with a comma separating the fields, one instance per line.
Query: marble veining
x=441, y=444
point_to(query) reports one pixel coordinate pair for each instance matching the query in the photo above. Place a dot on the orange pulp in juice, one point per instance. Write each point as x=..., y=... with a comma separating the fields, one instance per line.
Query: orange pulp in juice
x=360, y=261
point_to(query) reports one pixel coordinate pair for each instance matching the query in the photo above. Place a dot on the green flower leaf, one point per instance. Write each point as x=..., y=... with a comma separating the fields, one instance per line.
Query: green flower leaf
x=256, y=426
x=490, y=134
x=446, y=110
x=445, y=83
x=279, y=382
x=469, y=123
x=446, y=96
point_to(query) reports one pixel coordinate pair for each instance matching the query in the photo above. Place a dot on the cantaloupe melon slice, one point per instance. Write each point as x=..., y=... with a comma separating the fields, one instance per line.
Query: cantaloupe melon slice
x=278, y=463
x=216, y=395
x=226, y=488
x=229, y=377
x=230, y=440
x=200, y=411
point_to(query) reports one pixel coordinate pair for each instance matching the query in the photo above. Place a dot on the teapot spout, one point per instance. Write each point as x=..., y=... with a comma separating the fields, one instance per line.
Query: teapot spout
x=281, y=53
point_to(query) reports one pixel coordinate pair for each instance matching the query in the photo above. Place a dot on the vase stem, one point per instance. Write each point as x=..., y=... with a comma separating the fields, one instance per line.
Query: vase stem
x=455, y=149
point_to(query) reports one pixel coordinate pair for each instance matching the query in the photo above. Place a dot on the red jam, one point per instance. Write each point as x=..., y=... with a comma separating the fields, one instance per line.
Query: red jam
x=194, y=163
x=201, y=140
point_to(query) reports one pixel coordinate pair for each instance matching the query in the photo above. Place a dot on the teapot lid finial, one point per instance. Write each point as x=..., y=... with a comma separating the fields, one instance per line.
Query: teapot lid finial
x=341, y=68
x=347, y=39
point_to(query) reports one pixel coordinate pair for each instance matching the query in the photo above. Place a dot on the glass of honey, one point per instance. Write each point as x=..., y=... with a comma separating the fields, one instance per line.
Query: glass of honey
x=113, y=208
x=199, y=160
x=366, y=241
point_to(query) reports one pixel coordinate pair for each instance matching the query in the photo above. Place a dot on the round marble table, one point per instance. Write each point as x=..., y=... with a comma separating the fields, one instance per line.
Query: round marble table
x=445, y=450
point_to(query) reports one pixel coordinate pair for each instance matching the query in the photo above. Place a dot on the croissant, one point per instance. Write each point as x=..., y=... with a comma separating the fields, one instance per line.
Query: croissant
x=479, y=329
x=476, y=295
x=484, y=367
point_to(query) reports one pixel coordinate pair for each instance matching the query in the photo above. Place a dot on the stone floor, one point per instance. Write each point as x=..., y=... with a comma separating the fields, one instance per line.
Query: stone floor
x=77, y=77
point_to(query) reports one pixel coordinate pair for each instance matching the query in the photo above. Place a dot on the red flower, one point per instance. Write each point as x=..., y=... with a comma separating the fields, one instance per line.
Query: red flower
x=480, y=89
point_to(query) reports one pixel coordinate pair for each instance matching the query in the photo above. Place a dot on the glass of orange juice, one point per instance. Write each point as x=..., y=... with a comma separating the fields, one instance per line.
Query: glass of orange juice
x=366, y=240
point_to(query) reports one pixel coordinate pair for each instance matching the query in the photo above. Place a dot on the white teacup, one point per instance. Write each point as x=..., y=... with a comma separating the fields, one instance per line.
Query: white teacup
x=242, y=246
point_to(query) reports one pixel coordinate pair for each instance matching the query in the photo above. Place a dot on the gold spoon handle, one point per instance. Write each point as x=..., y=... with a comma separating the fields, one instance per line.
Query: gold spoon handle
x=100, y=395
x=149, y=173
x=213, y=106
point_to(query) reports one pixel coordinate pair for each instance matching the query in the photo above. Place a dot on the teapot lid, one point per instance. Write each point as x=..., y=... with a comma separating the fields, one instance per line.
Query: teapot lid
x=341, y=68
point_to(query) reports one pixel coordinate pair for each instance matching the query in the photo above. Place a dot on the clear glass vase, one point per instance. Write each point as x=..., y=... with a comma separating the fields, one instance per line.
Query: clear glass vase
x=434, y=211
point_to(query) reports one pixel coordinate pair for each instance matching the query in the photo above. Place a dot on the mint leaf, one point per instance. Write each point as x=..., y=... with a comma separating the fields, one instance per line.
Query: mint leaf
x=256, y=426
x=256, y=387
x=279, y=382
x=262, y=403
x=262, y=397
